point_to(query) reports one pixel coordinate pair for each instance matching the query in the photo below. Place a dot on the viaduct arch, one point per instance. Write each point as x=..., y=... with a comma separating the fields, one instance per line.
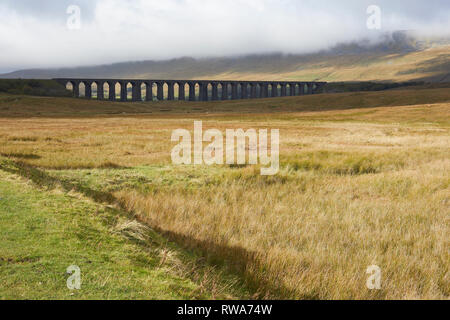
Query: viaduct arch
x=208, y=90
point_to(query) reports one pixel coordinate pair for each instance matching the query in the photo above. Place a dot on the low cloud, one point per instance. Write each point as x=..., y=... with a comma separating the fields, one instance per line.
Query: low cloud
x=35, y=33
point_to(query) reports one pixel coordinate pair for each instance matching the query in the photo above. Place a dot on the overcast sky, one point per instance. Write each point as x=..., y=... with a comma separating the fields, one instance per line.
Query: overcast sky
x=35, y=33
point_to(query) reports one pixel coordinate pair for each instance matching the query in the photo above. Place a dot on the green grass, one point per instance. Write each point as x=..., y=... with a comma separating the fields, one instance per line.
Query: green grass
x=33, y=87
x=44, y=232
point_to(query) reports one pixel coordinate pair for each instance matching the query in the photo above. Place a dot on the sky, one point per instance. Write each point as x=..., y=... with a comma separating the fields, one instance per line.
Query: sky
x=42, y=33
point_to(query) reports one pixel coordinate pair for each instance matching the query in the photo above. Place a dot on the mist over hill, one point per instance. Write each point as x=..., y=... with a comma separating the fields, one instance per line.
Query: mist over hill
x=400, y=56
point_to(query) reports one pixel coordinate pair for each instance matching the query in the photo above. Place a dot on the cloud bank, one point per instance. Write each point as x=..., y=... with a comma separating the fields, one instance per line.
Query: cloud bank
x=35, y=33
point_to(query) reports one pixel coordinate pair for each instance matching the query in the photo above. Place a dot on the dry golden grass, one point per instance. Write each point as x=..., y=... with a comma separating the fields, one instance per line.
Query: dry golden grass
x=358, y=187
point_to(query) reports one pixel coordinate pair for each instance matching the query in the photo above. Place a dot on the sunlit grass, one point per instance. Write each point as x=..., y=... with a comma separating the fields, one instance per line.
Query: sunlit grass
x=44, y=232
x=357, y=187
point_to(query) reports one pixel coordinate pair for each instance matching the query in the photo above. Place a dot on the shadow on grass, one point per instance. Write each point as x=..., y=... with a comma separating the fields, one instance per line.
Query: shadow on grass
x=237, y=260
x=104, y=166
x=26, y=156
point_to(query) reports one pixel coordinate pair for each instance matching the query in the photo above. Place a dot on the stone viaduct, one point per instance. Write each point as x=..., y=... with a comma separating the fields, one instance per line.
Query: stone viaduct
x=191, y=90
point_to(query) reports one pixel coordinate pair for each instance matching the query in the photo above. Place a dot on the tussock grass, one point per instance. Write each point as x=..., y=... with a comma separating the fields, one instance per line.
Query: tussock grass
x=357, y=187
x=45, y=231
x=313, y=237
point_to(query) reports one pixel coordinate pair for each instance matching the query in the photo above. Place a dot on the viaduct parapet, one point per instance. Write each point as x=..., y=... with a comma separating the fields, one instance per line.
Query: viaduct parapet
x=191, y=90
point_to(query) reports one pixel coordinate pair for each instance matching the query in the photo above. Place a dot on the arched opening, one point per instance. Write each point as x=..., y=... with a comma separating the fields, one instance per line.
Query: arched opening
x=165, y=91
x=186, y=91
x=271, y=89
x=154, y=91
x=219, y=91
x=249, y=90
x=197, y=91
x=242, y=91
x=82, y=88
x=94, y=88
x=70, y=86
x=278, y=90
x=106, y=90
x=116, y=94
x=176, y=91
x=305, y=88
x=229, y=91
x=209, y=89
x=118, y=87
x=143, y=88
x=259, y=91
x=129, y=91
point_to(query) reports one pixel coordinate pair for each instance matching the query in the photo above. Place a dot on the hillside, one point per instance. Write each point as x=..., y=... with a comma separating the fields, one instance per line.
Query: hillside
x=401, y=59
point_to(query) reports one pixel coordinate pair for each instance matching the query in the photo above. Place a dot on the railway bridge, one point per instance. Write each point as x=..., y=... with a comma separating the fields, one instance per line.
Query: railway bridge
x=191, y=90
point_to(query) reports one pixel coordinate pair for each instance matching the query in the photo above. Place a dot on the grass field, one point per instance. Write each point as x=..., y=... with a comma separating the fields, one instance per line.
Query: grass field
x=44, y=232
x=364, y=181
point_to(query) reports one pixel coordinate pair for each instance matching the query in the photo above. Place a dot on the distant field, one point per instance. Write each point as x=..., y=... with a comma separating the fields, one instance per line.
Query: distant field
x=26, y=106
x=364, y=181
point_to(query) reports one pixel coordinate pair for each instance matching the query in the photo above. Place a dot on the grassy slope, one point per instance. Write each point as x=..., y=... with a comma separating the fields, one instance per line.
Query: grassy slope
x=44, y=232
x=432, y=64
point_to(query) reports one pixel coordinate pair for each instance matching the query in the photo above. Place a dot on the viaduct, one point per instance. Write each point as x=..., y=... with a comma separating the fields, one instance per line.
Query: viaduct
x=191, y=90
